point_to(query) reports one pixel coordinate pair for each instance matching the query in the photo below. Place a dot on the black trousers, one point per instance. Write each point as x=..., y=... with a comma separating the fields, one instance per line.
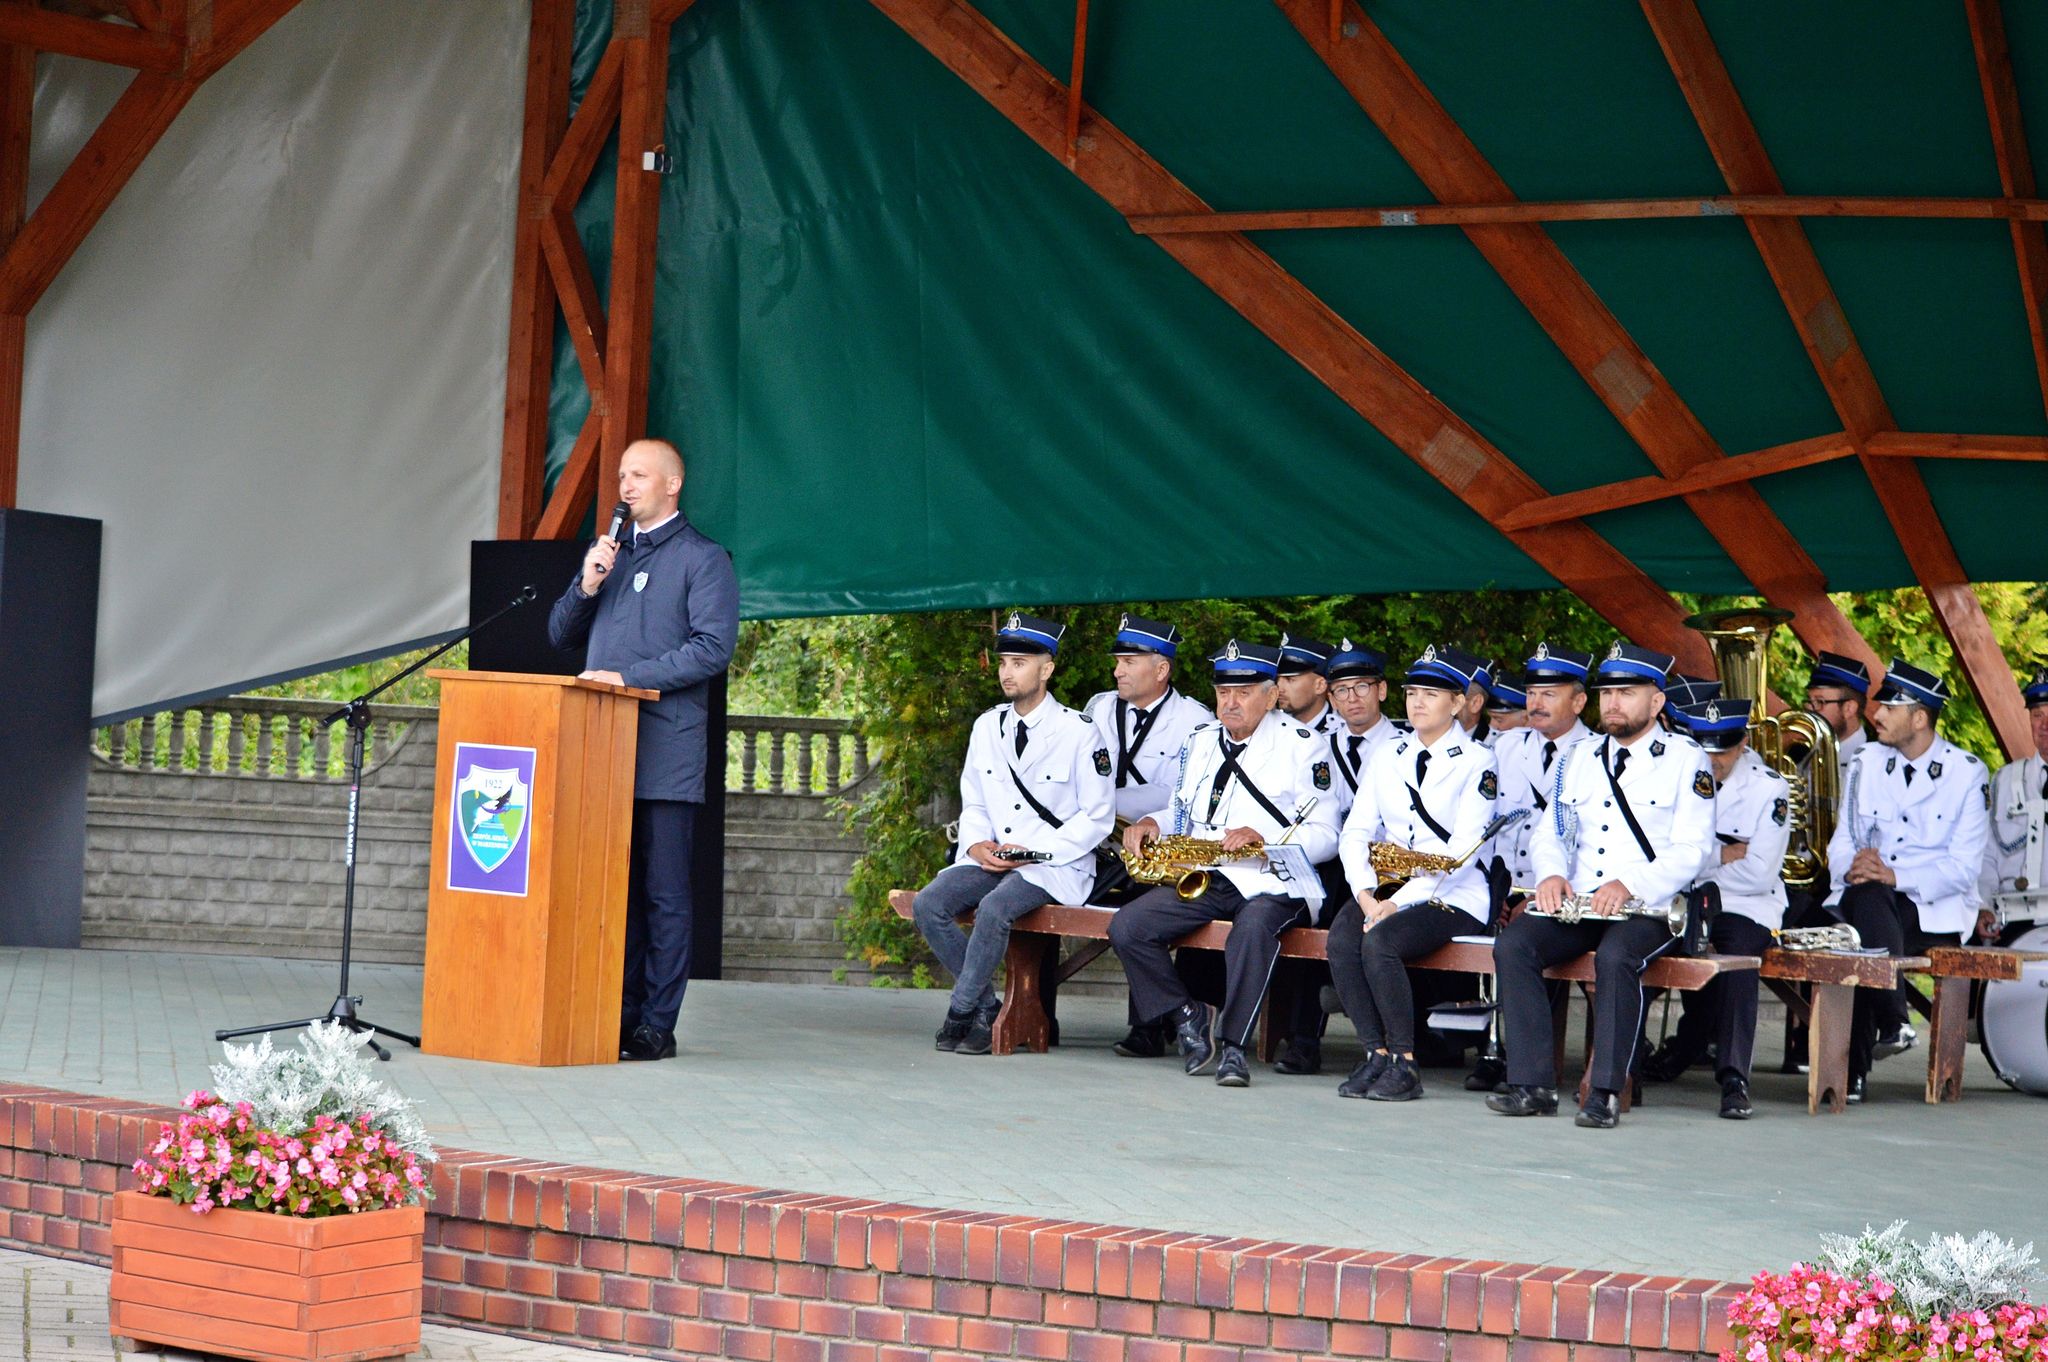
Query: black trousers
x=1300, y=982
x=1201, y=972
x=658, y=913
x=1370, y=967
x=1883, y=916
x=1724, y=1012
x=1531, y=944
x=1142, y=933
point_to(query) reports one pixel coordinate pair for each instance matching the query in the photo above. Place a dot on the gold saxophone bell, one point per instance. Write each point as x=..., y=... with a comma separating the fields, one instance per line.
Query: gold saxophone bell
x=1183, y=862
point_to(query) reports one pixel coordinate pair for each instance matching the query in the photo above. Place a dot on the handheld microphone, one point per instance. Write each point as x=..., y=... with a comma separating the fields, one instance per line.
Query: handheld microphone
x=620, y=514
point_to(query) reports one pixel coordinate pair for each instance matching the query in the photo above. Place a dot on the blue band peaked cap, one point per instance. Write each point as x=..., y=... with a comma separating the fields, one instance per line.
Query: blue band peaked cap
x=1717, y=724
x=1691, y=690
x=1135, y=634
x=1301, y=654
x=1837, y=669
x=1443, y=668
x=1483, y=676
x=1628, y=665
x=1022, y=633
x=1548, y=664
x=1351, y=660
x=1906, y=684
x=1502, y=696
x=1246, y=662
x=2035, y=691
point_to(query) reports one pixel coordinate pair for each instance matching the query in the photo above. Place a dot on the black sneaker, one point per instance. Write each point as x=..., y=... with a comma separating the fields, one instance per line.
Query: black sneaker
x=1896, y=1043
x=954, y=1029
x=648, y=1042
x=1192, y=1028
x=1854, y=1097
x=1302, y=1055
x=1734, y=1100
x=1401, y=1082
x=1146, y=1041
x=1488, y=1075
x=1519, y=1100
x=1665, y=1064
x=1231, y=1069
x=1602, y=1110
x=1365, y=1075
x=981, y=1030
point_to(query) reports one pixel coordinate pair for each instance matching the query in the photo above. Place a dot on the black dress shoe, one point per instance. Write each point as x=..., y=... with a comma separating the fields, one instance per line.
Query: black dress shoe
x=1486, y=1076
x=1854, y=1097
x=1896, y=1043
x=1303, y=1055
x=1402, y=1082
x=953, y=1030
x=1193, y=1026
x=1145, y=1041
x=1602, y=1110
x=1365, y=1075
x=648, y=1042
x=1665, y=1064
x=1734, y=1100
x=1231, y=1069
x=1520, y=1100
x=981, y=1030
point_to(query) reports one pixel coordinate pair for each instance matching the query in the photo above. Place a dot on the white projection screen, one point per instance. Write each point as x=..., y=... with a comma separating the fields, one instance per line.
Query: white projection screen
x=276, y=368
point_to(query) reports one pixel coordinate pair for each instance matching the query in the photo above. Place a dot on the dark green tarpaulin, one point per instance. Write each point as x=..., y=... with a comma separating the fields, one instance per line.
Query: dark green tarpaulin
x=915, y=363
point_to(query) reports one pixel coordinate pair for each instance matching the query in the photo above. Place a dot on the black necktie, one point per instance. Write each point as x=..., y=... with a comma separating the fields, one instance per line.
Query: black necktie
x=1909, y=773
x=1549, y=753
x=1354, y=741
x=1022, y=737
x=1421, y=766
x=2044, y=783
x=1620, y=761
x=1223, y=774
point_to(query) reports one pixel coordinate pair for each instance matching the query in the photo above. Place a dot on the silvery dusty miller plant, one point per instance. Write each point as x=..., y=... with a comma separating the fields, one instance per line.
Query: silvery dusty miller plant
x=1942, y=1274
x=328, y=1075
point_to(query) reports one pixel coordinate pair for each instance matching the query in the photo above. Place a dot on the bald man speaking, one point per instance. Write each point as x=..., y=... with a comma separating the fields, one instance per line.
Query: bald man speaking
x=657, y=608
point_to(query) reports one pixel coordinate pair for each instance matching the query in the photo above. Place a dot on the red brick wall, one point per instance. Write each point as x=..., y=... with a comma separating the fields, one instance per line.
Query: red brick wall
x=682, y=1266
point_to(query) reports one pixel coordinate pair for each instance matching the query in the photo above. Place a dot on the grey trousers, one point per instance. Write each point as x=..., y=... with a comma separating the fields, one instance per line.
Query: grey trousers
x=996, y=901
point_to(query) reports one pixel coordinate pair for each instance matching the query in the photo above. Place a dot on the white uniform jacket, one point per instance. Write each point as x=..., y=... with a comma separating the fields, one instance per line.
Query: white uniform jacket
x=1585, y=835
x=1455, y=796
x=1525, y=781
x=1290, y=766
x=1930, y=828
x=1753, y=806
x=1058, y=770
x=1338, y=741
x=2014, y=859
x=1139, y=749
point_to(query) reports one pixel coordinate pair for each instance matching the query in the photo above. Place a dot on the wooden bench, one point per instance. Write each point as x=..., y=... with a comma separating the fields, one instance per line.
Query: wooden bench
x=1957, y=972
x=1033, y=969
x=1834, y=977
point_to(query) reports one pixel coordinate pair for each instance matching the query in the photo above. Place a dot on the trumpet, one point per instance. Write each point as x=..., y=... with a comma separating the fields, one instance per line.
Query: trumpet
x=1835, y=936
x=1579, y=908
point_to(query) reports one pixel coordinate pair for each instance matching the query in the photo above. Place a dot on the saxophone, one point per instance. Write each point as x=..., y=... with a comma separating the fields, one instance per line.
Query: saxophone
x=1795, y=744
x=1395, y=864
x=1184, y=862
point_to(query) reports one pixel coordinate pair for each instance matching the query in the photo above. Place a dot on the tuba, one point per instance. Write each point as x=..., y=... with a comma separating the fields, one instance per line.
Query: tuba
x=1795, y=744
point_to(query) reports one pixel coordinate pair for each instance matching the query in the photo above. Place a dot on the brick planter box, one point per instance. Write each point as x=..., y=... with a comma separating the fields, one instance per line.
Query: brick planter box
x=267, y=1287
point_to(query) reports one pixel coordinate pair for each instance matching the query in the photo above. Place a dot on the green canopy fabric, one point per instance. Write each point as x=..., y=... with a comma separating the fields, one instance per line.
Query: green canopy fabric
x=915, y=363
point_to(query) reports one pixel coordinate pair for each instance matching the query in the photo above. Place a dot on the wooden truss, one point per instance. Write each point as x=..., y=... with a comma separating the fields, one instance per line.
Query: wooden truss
x=174, y=46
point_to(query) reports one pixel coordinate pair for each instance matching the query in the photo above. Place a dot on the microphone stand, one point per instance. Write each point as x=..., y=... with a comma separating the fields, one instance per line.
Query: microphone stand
x=356, y=713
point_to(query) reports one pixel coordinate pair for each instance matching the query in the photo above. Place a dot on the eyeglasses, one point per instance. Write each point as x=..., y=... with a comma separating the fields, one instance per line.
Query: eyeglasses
x=1814, y=702
x=1349, y=689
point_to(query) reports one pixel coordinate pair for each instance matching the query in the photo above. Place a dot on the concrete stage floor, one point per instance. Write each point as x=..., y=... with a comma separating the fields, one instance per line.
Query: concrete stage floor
x=839, y=1090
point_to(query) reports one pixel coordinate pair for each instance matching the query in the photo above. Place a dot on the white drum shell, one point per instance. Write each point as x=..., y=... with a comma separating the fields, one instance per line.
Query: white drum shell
x=2015, y=1021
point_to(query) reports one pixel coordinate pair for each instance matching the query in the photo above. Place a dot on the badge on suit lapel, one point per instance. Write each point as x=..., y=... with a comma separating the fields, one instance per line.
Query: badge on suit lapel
x=1656, y=747
x=639, y=581
x=1934, y=770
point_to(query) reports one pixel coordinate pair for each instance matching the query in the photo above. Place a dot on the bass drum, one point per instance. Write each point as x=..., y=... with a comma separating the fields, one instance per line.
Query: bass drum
x=2015, y=1021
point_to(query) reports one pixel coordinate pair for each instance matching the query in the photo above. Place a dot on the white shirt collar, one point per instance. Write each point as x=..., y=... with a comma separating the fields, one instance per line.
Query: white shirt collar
x=639, y=533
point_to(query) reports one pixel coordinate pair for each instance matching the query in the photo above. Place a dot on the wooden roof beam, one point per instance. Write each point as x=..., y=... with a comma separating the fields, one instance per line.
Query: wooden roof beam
x=1299, y=322
x=91, y=39
x=2016, y=208
x=1614, y=496
x=2015, y=168
x=1616, y=369
x=1844, y=371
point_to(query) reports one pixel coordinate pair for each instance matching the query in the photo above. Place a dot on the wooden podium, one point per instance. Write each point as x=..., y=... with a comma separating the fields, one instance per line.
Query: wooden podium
x=526, y=900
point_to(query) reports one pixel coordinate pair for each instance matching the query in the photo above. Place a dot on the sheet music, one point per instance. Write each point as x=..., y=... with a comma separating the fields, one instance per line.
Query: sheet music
x=1289, y=862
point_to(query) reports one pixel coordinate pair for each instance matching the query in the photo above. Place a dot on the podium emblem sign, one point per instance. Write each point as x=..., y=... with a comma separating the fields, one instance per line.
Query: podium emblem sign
x=490, y=812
